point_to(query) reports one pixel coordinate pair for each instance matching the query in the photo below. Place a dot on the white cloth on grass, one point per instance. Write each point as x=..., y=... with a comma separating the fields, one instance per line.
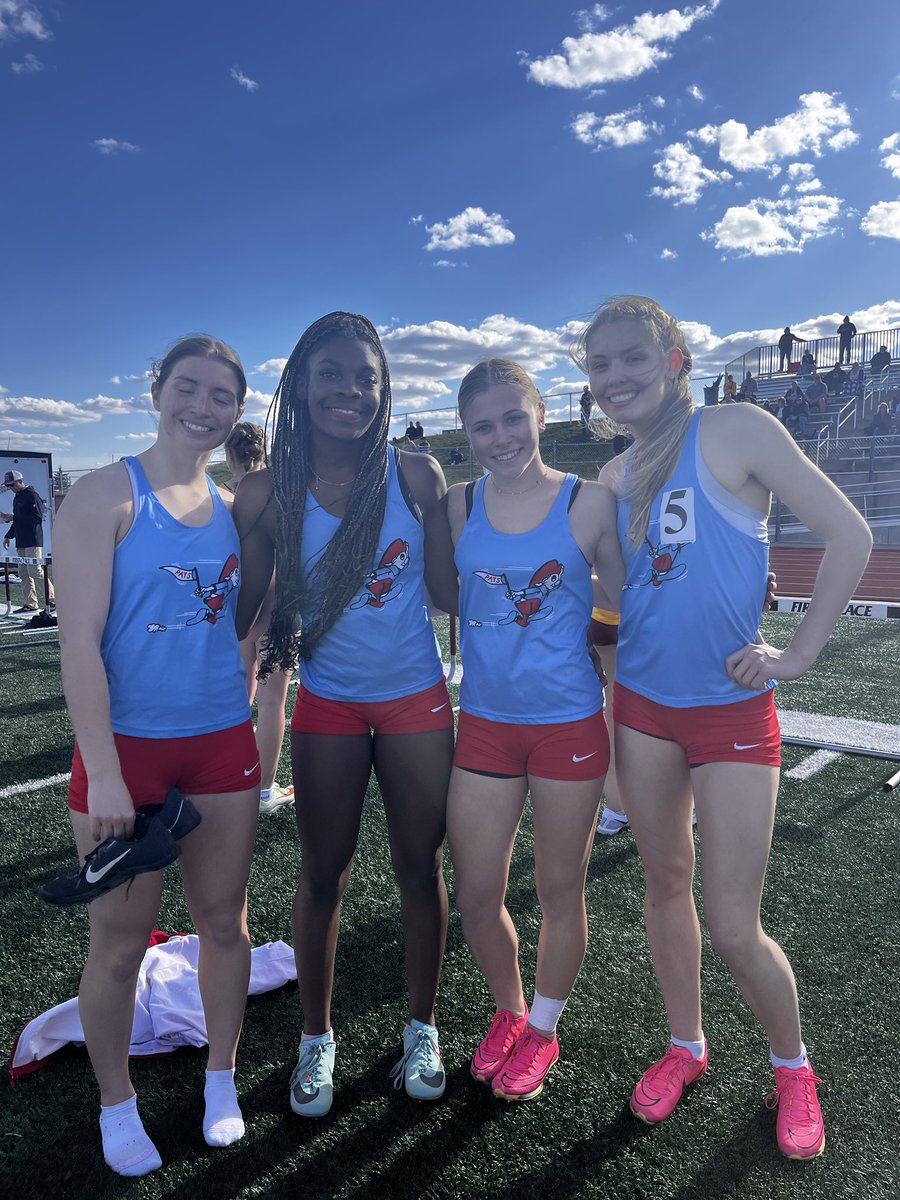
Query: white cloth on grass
x=167, y=1013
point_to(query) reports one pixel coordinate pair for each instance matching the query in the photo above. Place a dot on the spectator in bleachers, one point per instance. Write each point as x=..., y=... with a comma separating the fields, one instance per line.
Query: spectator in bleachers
x=729, y=391
x=856, y=381
x=817, y=393
x=456, y=457
x=835, y=381
x=785, y=346
x=807, y=364
x=410, y=431
x=748, y=389
x=846, y=334
x=796, y=413
x=711, y=392
x=882, y=422
x=880, y=359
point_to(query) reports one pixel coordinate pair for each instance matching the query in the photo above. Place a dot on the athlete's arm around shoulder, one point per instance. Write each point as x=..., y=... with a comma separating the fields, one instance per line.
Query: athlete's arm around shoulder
x=96, y=515
x=750, y=453
x=593, y=522
x=255, y=518
x=429, y=489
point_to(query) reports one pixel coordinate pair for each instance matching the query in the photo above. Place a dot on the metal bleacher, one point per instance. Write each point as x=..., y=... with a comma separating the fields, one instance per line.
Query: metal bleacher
x=865, y=466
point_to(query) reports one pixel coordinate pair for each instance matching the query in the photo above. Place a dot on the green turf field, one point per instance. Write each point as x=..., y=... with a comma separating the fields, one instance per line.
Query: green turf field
x=832, y=901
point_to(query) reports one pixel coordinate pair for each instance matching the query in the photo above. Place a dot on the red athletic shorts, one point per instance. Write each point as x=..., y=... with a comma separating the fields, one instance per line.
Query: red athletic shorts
x=573, y=750
x=746, y=731
x=422, y=712
x=202, y=765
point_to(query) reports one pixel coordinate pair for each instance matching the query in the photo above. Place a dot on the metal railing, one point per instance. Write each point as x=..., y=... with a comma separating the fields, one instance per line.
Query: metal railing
x=764, y=360
x=879, y=504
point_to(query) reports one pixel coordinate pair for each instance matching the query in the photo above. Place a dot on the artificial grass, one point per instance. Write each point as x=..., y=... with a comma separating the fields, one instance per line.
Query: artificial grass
x=831, y=900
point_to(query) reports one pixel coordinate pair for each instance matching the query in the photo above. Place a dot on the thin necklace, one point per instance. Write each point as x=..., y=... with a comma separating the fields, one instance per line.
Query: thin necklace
x=331, y=482
x=521, y=492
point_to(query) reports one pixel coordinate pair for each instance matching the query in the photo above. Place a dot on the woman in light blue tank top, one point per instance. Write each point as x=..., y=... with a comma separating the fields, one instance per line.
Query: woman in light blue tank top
x=147, y=572
x=531, y=718
x=697, y=710
x=345, y=519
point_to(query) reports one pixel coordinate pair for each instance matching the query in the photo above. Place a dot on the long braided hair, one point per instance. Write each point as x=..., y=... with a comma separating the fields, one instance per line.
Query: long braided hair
x=657, y=451
x=312, y=600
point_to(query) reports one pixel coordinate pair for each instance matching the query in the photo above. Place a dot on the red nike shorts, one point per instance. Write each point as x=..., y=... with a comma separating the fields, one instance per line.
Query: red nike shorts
x=573, y=750
x=422, y=712
x=746, y=731
x=203, y=765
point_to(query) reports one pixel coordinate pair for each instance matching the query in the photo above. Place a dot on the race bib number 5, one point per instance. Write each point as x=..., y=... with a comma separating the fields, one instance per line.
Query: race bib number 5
x=676, y=516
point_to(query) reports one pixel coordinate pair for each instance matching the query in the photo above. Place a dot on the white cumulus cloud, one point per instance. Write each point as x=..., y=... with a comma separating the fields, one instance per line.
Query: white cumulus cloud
x=695, y=92
x=620, y=53
x=29, y=65
x=615, y=129
x=668, y=254
x=33, y=441
x=114, y=146
x=763, y=228
x=471, y=227
x=18, y=18
x=882, y=220
x=821, y=117
x=683, y=174
x=443, y=262
x=244, y=80
x=891, y=160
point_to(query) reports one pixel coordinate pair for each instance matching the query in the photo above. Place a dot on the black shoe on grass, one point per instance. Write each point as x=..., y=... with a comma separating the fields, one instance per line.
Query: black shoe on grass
x=115, y=861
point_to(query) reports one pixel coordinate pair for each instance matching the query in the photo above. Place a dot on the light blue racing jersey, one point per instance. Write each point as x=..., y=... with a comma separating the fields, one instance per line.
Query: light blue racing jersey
x=382, y=646
x=169, y=646
x=524, y=608
x=694, y=589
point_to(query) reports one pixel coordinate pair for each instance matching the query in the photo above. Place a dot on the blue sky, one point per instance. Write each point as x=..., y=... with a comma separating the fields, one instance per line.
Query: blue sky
x=473, y=178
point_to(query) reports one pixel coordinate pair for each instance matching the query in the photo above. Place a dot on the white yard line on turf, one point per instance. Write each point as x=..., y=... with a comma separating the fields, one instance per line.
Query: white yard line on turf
x=812, y=764
x=33, y=785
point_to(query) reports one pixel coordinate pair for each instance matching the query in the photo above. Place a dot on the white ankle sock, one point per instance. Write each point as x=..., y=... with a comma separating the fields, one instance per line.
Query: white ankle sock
x=322, y=1038
x=793, y=1064
x=696, y=1048
x=222, y=1121
x=126, y=1147
x=545, y=1013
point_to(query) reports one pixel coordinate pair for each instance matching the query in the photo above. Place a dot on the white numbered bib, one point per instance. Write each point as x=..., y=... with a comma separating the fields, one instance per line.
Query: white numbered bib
x=676, y=516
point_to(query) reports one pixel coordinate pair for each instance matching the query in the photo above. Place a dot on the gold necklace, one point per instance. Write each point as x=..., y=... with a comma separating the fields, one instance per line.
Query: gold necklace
x=521, y=492
x=331, y=482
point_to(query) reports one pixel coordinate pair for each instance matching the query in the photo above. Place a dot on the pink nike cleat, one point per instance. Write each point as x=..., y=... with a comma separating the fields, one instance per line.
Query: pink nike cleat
x=800, y=1128
x=523, y=1075
x=661, y=1086
x=492, y=1054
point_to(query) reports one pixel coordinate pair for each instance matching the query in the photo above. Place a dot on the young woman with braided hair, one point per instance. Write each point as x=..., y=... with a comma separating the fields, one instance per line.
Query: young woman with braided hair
x=694, y=708
x=344, y=518
x=245, y=451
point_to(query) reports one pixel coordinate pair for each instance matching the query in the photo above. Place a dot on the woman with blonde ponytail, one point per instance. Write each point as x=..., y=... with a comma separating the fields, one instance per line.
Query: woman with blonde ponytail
x=694, y=705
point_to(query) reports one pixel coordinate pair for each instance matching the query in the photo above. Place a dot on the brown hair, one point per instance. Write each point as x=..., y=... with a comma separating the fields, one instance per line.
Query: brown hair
x=486, y=374
x=247, y=443
x=656, y=452
x=198, y=345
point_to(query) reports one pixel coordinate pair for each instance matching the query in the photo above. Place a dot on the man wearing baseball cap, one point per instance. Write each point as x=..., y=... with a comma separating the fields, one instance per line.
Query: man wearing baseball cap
x=27, y=531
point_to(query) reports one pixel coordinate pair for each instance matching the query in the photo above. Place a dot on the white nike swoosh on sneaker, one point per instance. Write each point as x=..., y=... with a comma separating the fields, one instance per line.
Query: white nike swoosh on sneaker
x=92, y=876
x=252, y=769
x=582, y=757
x=752, y=746
x=439, y=707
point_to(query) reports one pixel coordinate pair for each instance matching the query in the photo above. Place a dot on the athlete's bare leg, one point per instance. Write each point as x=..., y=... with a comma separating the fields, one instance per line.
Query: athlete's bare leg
x=655, y=785
x=331, y=774
x=483, y=815
x=413, y=773
x=735, y=814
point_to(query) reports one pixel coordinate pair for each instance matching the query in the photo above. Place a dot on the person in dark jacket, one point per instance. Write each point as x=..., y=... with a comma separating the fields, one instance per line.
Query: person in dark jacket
x=27, y=531
x=711, y=393
x=785, y=345
x=846, y=334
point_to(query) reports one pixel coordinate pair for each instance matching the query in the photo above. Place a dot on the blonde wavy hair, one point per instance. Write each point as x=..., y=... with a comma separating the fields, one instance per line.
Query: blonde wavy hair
x=657, y=450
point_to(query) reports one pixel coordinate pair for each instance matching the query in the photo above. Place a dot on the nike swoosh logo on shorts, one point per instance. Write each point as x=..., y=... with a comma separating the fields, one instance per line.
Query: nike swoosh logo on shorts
x=582, y=757
x=752, y=746
x=439, y=707
x=252, y=769
x=92, y=876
